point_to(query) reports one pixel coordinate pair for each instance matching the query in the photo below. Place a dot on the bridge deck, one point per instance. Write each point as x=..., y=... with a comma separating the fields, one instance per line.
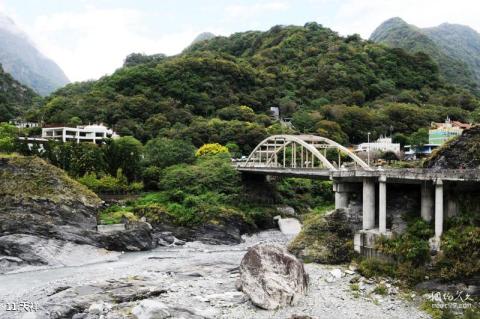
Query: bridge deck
x=400, y=175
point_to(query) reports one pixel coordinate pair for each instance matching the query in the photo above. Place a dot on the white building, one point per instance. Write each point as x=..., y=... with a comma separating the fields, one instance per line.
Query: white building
x=383, y=144
x=24, y=124
x=89, y=133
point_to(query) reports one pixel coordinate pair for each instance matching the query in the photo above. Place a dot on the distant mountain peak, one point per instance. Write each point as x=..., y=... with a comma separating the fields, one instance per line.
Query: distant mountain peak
x=455, y=47
x=203, y=36
x=21, y=58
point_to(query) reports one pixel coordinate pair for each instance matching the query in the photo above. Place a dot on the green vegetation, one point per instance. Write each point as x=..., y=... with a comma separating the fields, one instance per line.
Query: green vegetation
x=8, y=136
x=324, y=239
x=221, y=90
x=451, y=55
x=114, y=215
x=16, y=99
x=409, y=253
x=211, y=149
x=110, y=185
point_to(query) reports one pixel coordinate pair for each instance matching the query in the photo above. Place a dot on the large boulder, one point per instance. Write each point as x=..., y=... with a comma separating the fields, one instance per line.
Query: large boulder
x=271, y=277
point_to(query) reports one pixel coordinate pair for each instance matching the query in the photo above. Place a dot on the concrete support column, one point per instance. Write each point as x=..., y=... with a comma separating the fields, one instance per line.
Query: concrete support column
x=453, y=207
x=438, y=208
x=426, y=193
x=368, y=204
x=382, y=204
x=341, y=196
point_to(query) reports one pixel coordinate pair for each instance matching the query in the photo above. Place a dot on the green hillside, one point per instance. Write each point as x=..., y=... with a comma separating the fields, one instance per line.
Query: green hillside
x=340, y=87
x=15, y=98
x=455, y=48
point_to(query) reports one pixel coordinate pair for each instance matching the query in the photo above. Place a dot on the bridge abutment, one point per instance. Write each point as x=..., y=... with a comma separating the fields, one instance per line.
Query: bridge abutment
x=368, y=205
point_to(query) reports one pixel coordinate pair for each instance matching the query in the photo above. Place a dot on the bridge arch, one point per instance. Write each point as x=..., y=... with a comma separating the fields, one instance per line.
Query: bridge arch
x=299, y=151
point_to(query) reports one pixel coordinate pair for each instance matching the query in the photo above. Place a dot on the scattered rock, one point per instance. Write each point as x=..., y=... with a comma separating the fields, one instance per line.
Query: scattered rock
x=289, y=226
x=151, y=309
x=271, y=277
x=336, y=273
x=286, y=210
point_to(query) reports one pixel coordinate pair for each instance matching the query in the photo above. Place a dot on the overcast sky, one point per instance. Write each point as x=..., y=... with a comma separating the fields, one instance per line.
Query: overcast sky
x=90, y=38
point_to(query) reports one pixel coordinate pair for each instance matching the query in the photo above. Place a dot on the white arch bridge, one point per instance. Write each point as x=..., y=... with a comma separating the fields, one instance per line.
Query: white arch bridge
x=302, y=151
x=315, y=157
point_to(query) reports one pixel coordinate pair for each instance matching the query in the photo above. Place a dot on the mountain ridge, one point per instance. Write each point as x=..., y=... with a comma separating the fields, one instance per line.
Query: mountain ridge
x=458, y=61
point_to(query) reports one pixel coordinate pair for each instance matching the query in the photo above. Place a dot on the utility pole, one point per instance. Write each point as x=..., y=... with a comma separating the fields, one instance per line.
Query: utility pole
x=368, y=148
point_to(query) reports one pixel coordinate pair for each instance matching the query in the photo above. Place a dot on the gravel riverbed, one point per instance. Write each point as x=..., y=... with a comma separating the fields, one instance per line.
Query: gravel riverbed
x=191, y=281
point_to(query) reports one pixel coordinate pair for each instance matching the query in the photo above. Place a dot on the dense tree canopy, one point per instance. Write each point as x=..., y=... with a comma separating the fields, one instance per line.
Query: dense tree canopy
x=221, y=90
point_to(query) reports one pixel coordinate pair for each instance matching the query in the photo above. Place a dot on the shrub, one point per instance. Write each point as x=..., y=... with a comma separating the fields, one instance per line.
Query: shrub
x=371, y=267
x=108, y=184
x=151, y=177
x=461, y=253
x=163, y=152
x=113, y=216
x=412, y=246
x=211, y=149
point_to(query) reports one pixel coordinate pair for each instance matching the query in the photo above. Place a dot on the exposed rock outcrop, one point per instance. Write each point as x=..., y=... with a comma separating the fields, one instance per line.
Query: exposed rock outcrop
x=325, y=239
x=44, y=212
x=271, y=277
x=462, y=152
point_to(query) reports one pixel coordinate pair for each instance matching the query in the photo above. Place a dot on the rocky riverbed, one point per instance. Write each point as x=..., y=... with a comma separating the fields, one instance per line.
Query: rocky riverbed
x=191, y=281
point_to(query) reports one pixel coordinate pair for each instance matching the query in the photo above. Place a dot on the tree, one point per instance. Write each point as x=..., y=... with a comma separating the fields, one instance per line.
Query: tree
x=8, y=137
x=212, y=149
x=400, y=138
x=332, y=131
x=163, y=152
x=124, y=153
x=419, y=138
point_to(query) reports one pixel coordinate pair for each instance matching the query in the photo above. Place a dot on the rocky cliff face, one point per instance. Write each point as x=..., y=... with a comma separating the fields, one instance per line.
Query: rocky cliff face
x=462, y=152
x=43, y=213
x=37, y=195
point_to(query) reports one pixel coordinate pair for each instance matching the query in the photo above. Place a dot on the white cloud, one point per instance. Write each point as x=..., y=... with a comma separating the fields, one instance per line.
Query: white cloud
x=251, y=10
x=95, y=42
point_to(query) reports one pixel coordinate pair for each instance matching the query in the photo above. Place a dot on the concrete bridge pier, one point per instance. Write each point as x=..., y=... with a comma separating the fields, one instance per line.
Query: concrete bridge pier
x=368, y=203
x=382, y=204
x=426, y=194
x=438, y=208
x=341, y=194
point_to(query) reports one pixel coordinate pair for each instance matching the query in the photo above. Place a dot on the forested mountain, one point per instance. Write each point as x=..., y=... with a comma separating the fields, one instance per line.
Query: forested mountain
x=15, y=98
x=340, y=87
x=455, y=48
x=25, y=63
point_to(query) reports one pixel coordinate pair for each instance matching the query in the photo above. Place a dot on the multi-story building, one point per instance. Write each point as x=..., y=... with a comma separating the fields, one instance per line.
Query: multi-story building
x=95, y=133
x=442, y=132
x=383, y=144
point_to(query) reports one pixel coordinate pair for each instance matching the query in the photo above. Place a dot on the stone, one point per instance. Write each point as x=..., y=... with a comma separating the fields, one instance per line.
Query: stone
x=96, y=308
x=151, y=309
x=289, y=226
x=286, y=210
x=336, y=273
x=271, y=277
